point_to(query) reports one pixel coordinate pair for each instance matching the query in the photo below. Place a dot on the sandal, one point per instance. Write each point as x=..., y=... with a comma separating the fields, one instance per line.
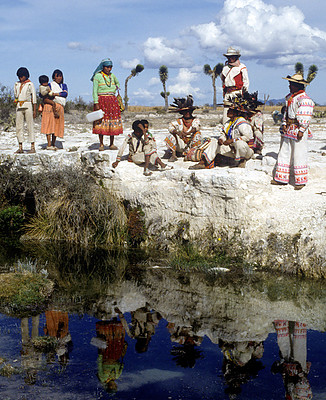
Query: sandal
x=147, y=173
x=101, y=148
x=113, y=147
x=165, y=168
x=19, y=151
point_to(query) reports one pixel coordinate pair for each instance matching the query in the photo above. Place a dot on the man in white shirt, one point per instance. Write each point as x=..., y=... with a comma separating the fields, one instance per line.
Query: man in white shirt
x=234, y=77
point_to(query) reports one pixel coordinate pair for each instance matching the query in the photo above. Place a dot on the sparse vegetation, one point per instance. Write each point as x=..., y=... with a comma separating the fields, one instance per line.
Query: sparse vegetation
x=24, y=293
x=7, y=108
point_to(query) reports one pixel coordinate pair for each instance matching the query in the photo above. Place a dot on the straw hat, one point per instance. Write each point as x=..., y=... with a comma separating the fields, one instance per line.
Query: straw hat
x=231, y=51
x=296, y=78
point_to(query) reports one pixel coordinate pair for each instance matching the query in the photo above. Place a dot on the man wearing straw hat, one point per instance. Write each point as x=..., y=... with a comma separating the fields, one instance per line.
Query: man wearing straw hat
x=295, y=132
x=234, y=77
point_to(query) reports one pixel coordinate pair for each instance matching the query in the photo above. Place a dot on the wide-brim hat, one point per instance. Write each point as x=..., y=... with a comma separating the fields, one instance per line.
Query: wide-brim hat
x=231, y=51
x=297, y=78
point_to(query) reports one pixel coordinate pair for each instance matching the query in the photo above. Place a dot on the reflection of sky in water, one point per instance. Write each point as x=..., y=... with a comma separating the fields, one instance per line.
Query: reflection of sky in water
x=149, y=375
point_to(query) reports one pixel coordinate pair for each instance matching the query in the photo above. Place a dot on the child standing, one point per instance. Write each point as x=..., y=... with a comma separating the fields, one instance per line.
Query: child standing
x=142, y=148
x=25, y=99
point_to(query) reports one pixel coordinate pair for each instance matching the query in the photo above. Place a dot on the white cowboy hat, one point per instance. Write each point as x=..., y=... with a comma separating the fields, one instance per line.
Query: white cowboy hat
x=232, y=52
x=296, y=78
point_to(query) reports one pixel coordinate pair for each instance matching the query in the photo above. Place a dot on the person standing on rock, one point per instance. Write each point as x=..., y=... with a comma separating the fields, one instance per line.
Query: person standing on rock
x=53, y=111
x=105, y=85
x=295, y=132
x=25, y=99
x=234, y=78
x=184, y=132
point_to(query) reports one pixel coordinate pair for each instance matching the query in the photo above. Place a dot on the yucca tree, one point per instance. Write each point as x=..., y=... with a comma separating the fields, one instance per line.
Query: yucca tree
x=312, y=71
x=135, y=71
x=213, y=73
x=164, y=74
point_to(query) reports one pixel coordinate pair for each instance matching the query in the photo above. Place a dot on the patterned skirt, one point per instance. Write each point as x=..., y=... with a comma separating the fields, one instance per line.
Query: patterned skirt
x=111, y=123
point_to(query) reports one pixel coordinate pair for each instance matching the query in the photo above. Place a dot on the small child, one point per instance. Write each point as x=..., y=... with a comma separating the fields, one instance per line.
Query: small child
x=25, y=99
x=142, y=148
x=46, y=92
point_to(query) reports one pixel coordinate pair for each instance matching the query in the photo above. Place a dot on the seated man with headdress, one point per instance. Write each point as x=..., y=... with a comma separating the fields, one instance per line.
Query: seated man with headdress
x=233, y=141
x=184, y=132
x=256, y=119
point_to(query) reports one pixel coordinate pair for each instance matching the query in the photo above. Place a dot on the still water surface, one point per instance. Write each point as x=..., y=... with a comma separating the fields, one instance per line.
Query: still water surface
x=128, y=332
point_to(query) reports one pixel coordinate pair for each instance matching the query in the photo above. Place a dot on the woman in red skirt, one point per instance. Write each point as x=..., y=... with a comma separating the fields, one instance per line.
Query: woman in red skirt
x=105, y=85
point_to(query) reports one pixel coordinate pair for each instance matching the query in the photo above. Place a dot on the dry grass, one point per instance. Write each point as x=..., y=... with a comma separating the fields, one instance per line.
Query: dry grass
x=96, y=219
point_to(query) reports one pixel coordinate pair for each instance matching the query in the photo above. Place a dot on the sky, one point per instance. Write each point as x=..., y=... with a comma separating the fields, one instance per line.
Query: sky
x=75, y=35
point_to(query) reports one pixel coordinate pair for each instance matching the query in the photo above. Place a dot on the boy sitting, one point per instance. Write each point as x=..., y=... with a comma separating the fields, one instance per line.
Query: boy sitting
x=142, y=148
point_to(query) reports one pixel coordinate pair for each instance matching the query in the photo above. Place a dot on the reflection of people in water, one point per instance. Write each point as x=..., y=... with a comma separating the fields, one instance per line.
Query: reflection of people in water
x=293, y=365
x=112, y=348
x=31, y=359
x=143, y=324
x=186, y=354
x=240, y=363
x=57, y=326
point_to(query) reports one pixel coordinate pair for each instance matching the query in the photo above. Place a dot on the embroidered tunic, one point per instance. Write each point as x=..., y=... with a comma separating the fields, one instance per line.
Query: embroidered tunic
x=298, y=114
x=241, y=132
x=189, y=140
x=296, y=119
x=103, y=84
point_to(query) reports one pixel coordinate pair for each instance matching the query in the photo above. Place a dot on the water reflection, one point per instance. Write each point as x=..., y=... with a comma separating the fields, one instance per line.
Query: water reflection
x=57, y=326
x=31, y=359
x=293, y=365
x=146, y=333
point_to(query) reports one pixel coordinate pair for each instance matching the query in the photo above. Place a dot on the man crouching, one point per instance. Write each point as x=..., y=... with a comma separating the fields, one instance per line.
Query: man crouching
x=142, y=148
x=232, y=143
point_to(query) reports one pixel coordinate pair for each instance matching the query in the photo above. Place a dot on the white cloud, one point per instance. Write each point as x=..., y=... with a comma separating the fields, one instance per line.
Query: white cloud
x=83, y=47
x=144, y=94
x=273, y=35
x=134, y=380
x=184, y=84
x=129, y=64
x=158, y=51
x=153, y=81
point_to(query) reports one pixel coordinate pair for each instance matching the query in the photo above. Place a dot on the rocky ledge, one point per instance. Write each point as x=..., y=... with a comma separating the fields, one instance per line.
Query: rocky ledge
x=276, y=227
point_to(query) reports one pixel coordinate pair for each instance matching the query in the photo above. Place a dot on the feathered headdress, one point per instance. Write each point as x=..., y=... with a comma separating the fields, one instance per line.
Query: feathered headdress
x=182, y=104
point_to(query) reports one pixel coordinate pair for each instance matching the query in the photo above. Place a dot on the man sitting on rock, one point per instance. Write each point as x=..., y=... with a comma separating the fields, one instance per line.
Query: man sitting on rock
x=184, y=132
x=142, y=148
x=233, y=142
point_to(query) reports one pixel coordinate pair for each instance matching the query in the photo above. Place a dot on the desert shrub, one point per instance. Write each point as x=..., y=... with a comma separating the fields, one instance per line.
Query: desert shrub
x=7, y=107
x=78, y=104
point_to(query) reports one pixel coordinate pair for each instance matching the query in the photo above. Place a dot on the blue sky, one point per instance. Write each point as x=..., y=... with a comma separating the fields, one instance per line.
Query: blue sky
x=74, y=35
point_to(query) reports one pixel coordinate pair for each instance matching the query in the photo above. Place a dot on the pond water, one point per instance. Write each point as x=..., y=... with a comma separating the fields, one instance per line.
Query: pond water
x=120, y=326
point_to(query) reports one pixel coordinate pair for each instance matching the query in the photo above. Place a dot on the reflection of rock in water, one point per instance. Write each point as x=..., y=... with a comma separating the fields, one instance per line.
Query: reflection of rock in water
x=240, y=311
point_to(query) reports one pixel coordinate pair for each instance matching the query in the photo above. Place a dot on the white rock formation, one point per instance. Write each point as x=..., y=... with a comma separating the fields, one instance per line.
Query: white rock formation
x=277, y=226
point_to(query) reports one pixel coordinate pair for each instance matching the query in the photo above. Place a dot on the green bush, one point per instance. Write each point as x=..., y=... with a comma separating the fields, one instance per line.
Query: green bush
x=11, y=219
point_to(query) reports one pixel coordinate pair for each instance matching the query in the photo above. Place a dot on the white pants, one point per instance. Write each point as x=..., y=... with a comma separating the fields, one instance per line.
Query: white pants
x=298, y=150
x=22, y=115
x=238, y=150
